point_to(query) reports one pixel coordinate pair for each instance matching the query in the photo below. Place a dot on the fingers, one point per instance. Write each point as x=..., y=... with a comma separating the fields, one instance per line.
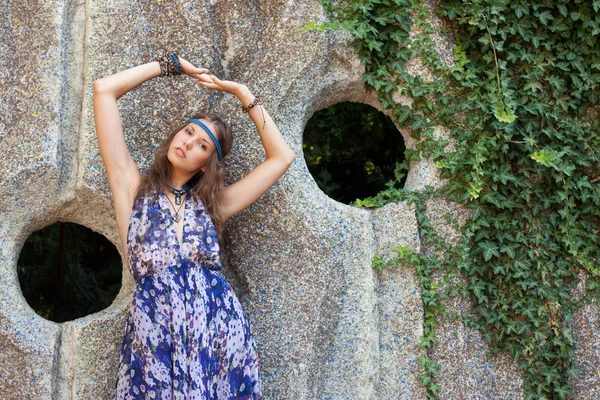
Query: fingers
x=209, y=81
x=206, y=80
x=209, y=85
x=192, y=71
x=203, y=78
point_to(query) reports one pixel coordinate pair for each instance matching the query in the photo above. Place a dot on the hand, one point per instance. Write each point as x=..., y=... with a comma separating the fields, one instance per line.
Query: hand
x=212, y=82
x=188, y=69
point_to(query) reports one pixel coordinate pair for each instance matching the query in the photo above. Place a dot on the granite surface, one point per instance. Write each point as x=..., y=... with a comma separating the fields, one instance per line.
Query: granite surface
x=327, y=325
x=585, y=329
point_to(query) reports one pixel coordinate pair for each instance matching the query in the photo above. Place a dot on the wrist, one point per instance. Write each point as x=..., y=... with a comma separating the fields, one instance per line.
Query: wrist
x=156, y=70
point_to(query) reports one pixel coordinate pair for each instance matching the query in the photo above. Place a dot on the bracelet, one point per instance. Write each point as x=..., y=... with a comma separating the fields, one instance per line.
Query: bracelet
x=169, y=65
x=257, y=100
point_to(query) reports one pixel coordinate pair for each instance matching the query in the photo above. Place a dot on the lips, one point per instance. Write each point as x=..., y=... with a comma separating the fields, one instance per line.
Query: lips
x=180, y=151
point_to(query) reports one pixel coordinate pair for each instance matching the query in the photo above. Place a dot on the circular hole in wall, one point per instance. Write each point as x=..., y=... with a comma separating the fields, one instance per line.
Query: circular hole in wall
x=351, y=150
x=67, y=271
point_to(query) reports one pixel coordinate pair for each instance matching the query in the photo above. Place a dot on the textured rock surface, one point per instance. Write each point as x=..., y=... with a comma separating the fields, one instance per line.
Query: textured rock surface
x=400, y=306
x=465, y=369
x=585, y=329
x=39, y=103
x=327, y=325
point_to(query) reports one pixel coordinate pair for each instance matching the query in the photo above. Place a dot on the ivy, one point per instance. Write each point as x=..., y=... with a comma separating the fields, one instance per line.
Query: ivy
x=521, y=104
x=427, y=265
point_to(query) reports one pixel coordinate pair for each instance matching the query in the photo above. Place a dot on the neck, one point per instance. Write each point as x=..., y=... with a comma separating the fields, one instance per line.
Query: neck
x=178, y=180
x=179, y=185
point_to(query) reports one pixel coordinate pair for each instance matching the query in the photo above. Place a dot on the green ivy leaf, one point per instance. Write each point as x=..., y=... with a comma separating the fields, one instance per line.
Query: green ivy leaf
x=503, y=113
x=562, y=391
x=549, y=158
x=509, y=250
x=311, y=26
x=489, y=250
x=545, y=17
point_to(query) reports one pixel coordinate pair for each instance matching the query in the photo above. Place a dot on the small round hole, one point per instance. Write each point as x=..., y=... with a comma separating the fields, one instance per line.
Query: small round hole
x=67, y=271
x=351, y=150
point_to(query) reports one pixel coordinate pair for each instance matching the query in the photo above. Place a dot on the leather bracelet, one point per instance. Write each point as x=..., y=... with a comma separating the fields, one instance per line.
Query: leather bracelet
x=257, y=100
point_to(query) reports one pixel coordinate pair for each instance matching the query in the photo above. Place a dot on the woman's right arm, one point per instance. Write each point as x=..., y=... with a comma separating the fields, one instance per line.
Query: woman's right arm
x=123, y=174
x=120, y=167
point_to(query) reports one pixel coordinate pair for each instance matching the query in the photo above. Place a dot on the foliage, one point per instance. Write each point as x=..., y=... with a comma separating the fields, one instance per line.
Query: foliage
x=520, y=101
x=90, y=272
x=342, y=147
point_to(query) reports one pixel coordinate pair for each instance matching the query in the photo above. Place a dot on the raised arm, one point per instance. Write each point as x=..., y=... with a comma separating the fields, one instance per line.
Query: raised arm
x=123, y=174
x=279, y=156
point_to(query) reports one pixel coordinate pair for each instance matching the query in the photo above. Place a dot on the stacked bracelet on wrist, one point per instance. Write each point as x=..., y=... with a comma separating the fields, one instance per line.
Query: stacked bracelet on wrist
x=169, y=65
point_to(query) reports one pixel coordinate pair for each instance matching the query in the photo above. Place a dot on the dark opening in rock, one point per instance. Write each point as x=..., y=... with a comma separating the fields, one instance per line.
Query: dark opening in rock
x=67, y=271
x=351, y=150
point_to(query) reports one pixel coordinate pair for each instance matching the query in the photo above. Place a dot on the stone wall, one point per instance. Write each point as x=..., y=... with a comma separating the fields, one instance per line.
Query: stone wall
x=327, y=325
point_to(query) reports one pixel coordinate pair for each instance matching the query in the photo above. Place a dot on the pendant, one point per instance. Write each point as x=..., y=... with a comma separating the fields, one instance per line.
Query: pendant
x=178, y=199
x=176, y=217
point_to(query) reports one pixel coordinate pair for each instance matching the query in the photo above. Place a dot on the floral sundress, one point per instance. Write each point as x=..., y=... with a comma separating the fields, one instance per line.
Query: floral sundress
x=186, y=334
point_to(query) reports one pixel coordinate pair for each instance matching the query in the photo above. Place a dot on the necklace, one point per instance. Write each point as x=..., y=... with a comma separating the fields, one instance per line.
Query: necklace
x=178, y=193
x=177, y=217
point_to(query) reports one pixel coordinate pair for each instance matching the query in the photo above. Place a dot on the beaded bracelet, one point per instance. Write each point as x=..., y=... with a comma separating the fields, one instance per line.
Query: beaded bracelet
x=169, y=65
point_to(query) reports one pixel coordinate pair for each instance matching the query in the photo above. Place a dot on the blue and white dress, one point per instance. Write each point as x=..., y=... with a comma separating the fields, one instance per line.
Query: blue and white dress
x=186, y=335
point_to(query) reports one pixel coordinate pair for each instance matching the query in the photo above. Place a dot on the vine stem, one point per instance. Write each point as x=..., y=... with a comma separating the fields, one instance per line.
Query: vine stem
x=495, y=55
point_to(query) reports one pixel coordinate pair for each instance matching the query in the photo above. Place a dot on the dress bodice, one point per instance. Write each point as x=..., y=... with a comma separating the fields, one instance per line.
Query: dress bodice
x=152, y=242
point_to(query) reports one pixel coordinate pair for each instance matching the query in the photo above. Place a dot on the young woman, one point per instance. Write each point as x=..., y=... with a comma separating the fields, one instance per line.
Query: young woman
x=186, y=334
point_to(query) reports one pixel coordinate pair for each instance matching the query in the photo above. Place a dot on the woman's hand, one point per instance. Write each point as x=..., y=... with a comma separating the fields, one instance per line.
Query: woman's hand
x=188, y=69
x=212, y=82
x=209, y=81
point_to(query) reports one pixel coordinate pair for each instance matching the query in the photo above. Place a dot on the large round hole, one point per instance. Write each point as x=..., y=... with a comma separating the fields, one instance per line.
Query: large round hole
x=67, y=271
x=351, y=150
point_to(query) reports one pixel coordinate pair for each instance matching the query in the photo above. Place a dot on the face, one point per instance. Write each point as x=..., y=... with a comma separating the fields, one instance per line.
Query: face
x=192, y=146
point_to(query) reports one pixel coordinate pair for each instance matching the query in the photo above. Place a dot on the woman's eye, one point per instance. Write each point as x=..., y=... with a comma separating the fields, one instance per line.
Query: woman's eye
x=187, y=130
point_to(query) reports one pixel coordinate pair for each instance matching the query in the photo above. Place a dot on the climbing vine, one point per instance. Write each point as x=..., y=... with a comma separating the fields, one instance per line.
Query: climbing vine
x=520, y=101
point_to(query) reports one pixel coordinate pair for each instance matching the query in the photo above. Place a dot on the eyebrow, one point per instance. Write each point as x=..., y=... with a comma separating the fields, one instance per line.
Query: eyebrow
x=194, y=129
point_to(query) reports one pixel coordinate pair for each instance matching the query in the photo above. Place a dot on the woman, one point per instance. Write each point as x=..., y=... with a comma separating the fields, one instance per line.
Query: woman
x=186, y=335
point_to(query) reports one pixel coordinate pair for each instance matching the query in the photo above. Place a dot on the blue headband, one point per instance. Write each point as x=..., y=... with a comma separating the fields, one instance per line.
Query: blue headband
x=212, y=136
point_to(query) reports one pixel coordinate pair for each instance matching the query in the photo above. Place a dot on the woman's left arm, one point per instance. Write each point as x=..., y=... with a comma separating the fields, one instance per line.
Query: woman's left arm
x=279, y=156
x=247, y=190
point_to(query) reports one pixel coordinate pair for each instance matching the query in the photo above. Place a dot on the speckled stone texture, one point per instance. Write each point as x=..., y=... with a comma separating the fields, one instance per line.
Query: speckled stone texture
x=400, y=305
x=585, y=329
x=327, y=325
x=466, y=371
x=40, y=102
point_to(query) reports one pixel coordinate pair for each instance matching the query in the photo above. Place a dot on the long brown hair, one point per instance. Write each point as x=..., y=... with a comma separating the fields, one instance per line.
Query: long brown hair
x=208, y=186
